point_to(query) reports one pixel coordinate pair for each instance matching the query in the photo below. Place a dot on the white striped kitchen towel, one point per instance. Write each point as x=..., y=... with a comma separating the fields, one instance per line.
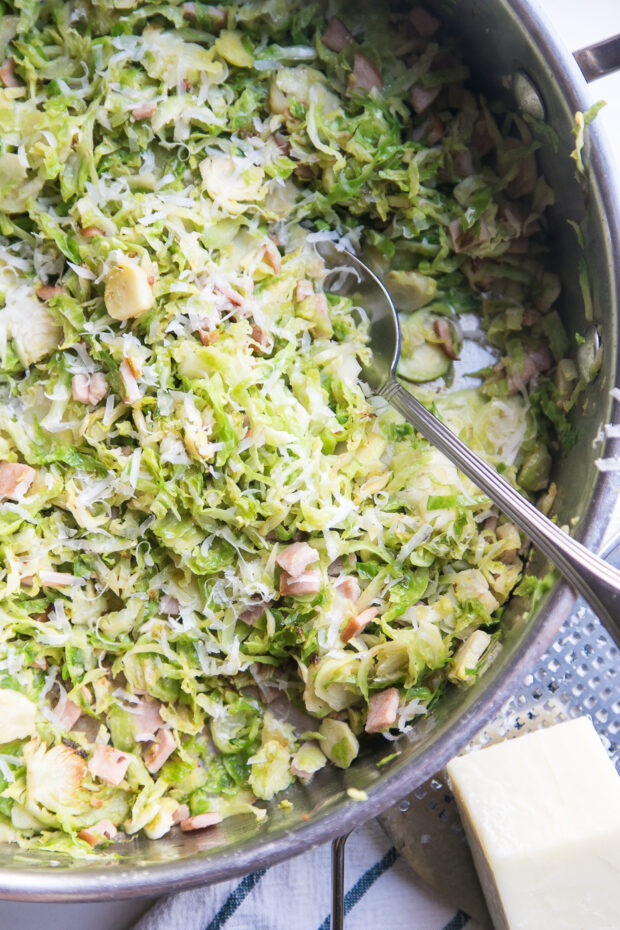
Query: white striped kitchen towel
x=382, y=891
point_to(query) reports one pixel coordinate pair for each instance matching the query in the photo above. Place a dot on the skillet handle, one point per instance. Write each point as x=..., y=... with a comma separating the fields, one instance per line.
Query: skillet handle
x=598, y=60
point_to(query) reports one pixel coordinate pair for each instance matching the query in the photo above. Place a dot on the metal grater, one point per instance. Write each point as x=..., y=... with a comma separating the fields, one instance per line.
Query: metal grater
x=579, y=674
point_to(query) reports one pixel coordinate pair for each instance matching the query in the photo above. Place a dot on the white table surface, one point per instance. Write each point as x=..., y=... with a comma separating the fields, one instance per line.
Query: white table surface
x=579, y=25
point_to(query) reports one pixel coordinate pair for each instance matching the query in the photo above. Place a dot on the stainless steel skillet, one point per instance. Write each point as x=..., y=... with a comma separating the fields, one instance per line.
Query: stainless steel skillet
x=507, y=42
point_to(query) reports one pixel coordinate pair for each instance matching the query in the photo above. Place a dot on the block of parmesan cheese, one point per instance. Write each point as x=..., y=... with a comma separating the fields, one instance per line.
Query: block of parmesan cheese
x=542, y=815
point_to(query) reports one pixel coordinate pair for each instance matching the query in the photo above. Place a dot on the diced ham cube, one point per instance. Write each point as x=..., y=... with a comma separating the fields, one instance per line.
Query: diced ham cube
x=262, y=342
x=79, y=388
x=144, y=110
x=422, y=97
x=160, y=749
x=366, y=75
x=356, y=624
x=382, y=710
x=15, y=479
x=104, y=830
x=89, y=232
x=169, y=605
x=200, y=821
x=463, y=163
x=208, y=337
x=337, y=37
x=47, y=291
x=533, y=363
x=68, y=717
x=108, y=764
x=7, y=74
x=431, y=131
x=308, y=583
x=253, y=613
x=424, y=24
x=272, y=256
x=89, y=389
x=216, y=14
x=97, y=388
x=462, y=241
x=349, y=587
x=303, y=289
x=236, y=299
x=296, y=558
x=147, y=719
x=181, y=813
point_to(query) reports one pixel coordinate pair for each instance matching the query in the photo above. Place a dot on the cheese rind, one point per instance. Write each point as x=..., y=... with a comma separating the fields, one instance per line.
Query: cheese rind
x=542, y=814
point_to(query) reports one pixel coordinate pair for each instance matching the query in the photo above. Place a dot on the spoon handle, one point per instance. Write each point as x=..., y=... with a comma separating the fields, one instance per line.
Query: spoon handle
x=595, y=579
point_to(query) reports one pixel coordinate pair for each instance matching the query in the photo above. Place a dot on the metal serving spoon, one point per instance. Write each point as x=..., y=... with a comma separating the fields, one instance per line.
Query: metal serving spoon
x=592, y=577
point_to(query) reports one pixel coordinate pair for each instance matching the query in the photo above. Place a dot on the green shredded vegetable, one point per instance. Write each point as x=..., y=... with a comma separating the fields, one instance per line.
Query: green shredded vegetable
x=208, y=526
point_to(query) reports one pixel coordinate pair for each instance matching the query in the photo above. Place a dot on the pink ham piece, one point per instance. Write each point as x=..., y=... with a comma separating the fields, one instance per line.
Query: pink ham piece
x=533, y=363
x=382, y=710
x=303, y=289
x=272, y=256
x=169, y=605
x=424, y=24
x=229, y=293
x=337, y=37
x=181, y=813
x=366, y=76
x=104, y=830
x=208, y=338
x=443, y=331
x=253, y=613
x=463, y=163
x=295, y=559
x=7, y=74
x=108, y=764
x=47, y=291
x=431, y=131
x=349, y=587
x=356, y=624
x=89, y=389
x=216, y=14
x=462, y=241
x=147, y=719
x=308, y=583
x=15, y=480
x=66, y=717
x=200, y=821
x=144, y=110
x=422, y=97
x=160, y=749
x=89, y=232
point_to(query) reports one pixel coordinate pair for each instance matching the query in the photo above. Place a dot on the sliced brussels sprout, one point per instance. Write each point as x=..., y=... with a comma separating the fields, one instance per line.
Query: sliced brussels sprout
x=410, y=290
x=430, y=342
x=339, y=742
x=270, y=770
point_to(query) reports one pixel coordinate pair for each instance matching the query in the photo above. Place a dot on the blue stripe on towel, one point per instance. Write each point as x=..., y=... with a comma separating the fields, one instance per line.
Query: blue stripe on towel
x=235, y=899
x=365, y=882
x=460, y=920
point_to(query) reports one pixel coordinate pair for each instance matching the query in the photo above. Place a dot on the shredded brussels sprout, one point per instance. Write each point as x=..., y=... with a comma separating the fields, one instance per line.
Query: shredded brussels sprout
x=206, y=521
